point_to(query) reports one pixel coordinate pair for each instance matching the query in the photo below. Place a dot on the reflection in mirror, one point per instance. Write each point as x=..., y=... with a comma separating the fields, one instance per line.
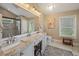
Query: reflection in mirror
x=31, y=26
x=11, y=27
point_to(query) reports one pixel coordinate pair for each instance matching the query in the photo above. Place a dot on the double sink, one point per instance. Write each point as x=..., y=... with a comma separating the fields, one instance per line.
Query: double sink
x=7, y=41
x=12, y=42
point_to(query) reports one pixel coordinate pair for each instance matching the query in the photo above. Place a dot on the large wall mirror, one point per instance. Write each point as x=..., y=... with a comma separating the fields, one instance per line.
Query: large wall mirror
x=11, y=27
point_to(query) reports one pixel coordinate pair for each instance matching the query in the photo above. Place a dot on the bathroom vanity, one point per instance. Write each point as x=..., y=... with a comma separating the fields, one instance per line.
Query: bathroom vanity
x=32, y=45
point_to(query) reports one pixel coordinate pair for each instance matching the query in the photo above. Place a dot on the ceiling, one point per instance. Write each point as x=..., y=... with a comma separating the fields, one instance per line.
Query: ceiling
x=58, y=7
x=42, y=7
x=16, y=10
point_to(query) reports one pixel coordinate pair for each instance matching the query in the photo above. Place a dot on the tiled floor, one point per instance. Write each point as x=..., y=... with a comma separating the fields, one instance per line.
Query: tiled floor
x=65, y=47
x=54, y=51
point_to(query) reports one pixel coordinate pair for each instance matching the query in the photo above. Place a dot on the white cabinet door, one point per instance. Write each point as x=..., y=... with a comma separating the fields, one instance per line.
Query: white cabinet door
x=44, y=43
x=49, y=40
x=29, y=51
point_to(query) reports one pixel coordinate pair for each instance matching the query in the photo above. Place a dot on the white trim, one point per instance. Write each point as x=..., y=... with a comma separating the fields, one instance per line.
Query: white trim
x=75, y=24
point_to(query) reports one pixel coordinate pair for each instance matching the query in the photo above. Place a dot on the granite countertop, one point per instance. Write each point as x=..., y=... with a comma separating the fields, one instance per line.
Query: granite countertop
x=26, y=41
x=9, y=50
x=29, y=40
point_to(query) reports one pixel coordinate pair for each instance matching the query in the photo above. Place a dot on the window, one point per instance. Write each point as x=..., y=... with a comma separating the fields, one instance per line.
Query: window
x=31, y=26
x=67, y=26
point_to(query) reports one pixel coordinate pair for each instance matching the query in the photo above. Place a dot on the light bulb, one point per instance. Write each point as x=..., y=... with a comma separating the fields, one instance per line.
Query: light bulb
x=50, y=7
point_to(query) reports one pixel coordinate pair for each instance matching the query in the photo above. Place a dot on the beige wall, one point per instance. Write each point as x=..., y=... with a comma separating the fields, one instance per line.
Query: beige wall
x=55, y=31
x=39, y=23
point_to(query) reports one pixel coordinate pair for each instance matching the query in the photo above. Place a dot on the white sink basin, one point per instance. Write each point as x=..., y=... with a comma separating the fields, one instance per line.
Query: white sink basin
x=5, y=42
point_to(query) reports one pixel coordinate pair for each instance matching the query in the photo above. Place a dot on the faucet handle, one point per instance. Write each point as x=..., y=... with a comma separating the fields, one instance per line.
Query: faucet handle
x=13, y=39
x=7, y=41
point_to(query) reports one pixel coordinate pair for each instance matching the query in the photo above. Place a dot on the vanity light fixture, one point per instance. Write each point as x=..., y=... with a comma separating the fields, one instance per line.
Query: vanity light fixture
x=27, y=5
x=29, y=8
x=50, y=7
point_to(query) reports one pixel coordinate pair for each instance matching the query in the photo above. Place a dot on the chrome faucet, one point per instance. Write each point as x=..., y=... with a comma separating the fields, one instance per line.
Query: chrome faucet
x=11, y=39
